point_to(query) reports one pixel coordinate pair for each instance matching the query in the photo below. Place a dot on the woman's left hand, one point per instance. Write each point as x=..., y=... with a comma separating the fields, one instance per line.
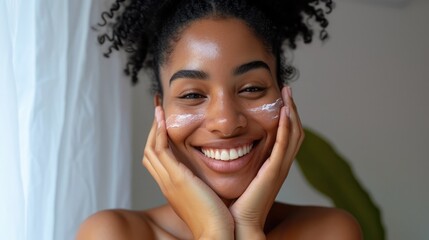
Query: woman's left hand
x=251, y=209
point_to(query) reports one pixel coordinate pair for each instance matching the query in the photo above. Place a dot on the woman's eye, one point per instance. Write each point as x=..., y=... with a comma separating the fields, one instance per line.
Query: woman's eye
x=192, y=96
x=252, y=89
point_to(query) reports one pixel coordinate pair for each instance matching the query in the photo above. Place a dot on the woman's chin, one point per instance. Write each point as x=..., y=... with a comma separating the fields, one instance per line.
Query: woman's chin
x=229, y=196
x=229, y=192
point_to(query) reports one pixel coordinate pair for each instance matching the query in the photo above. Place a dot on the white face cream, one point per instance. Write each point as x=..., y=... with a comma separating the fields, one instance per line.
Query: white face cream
x=270, y=110
x=207, y=49
x=181, y=120
x=201, y=52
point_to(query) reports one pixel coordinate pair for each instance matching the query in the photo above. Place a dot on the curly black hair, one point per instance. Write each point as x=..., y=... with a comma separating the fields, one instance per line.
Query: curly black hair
x=148, y=29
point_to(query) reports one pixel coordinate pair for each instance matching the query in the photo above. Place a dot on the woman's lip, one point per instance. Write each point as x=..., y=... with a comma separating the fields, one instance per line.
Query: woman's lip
x=230, y=166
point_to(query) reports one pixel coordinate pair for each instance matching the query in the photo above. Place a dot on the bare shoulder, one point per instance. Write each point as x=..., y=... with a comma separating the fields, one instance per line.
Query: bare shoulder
x=309, y=222
x=115, y=224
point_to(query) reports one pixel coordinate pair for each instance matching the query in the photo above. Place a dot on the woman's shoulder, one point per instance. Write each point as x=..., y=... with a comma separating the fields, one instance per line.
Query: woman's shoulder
x=116, y=224
x=284, y=220
x=311, y=222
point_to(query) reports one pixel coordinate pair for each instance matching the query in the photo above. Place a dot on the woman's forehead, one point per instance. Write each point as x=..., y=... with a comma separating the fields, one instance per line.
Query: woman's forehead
x=207, y=43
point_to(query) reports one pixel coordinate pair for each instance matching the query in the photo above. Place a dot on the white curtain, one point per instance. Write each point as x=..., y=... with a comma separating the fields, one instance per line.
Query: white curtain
x=65, y=148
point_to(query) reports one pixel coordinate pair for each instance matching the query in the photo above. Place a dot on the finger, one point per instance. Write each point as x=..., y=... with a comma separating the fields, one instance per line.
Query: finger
x=301, y=136
x=150, y=159
x=157, y=144
x=148, y=165
x=271, y=169
x=161, y=131
x=157, y=170
x=297, y=132
x=162, y=148
x=294, y=110
x=150, y=142
x=281, y=144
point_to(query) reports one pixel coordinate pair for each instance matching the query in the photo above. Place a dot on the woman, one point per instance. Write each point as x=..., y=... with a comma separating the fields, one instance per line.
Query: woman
x=226, y=128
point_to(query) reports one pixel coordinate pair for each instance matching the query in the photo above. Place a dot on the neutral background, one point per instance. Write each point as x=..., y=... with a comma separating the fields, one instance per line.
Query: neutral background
x=366, y=90
x=65, y=122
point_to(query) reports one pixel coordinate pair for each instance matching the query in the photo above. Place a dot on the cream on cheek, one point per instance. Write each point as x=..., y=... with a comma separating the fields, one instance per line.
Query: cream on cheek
x=182, y=120
x=269, y=111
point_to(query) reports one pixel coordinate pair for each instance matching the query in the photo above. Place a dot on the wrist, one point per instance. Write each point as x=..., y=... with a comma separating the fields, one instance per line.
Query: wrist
x=217, y=236
x=218, y=232
x=248, y=232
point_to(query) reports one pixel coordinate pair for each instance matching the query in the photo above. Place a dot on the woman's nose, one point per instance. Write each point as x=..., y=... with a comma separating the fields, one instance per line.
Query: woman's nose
x=225, y=117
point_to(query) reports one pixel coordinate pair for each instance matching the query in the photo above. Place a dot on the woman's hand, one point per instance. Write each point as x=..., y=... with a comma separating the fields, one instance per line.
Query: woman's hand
x=251, y=209
x=196, y=204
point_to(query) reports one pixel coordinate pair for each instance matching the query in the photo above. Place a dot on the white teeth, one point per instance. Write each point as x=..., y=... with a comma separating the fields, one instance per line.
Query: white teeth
x=227, y=154
x=233, y=154
x=217, y=155
x=224, y=155
x=240, y=152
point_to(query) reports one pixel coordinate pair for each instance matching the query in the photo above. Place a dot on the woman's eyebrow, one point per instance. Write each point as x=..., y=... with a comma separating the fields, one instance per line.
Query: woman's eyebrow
x=250, y=66
x=198, y=74
x=194, y=74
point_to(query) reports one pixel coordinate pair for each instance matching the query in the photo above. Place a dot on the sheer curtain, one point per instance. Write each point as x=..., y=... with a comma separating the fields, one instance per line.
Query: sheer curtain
x=65, y=148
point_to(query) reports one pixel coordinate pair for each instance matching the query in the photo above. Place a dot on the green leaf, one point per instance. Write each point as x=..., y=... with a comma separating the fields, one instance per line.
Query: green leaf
x=330, y=174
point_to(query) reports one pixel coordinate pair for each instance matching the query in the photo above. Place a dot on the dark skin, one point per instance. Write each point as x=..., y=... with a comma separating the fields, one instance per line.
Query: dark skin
x=229, y=198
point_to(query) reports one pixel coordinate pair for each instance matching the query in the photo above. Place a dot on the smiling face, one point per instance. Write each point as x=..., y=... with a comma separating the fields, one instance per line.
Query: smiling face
x=221, y=102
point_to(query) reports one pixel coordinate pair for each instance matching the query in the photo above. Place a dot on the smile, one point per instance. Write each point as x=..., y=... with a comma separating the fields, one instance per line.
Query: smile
x=227, y=154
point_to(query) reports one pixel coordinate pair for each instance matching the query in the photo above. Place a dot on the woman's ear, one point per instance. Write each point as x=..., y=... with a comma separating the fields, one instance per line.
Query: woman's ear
x=157, y=100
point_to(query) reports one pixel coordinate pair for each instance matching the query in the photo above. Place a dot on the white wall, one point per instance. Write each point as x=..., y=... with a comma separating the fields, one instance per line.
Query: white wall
x=366, y=90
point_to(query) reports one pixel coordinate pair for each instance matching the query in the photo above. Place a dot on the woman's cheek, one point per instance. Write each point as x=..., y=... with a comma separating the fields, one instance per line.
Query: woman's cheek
x=180, y=126
x=178, y=121
x=267, y=114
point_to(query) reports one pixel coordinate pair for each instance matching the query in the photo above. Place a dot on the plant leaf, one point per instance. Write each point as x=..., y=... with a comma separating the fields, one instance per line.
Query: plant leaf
x=330, y=174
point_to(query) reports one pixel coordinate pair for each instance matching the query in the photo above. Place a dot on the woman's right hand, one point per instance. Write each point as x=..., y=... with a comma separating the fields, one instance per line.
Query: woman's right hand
x=192, y=200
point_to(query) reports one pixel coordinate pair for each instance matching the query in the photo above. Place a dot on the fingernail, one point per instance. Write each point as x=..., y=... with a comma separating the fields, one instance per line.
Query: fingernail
x=289, y=90
x=158, y=115
x=285, y=94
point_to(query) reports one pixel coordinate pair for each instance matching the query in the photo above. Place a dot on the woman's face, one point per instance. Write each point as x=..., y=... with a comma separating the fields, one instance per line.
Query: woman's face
x=221, y=102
